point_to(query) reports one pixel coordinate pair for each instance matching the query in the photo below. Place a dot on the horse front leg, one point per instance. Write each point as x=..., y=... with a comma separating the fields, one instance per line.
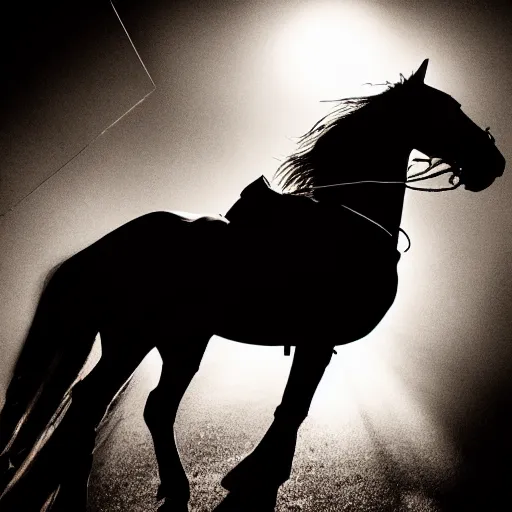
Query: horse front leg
x=269, y=465
x=178, y=369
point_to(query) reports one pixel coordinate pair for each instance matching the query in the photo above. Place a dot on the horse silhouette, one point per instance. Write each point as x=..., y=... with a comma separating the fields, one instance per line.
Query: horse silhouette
x=310, y=263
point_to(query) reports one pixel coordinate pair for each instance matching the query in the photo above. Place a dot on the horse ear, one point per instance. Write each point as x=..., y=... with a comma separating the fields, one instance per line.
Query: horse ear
x=419, y=76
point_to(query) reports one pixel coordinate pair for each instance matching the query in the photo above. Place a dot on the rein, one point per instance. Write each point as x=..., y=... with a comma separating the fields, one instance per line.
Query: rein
x=380, y=225
x=420, y=176
x=367, y=218
x=361, y=214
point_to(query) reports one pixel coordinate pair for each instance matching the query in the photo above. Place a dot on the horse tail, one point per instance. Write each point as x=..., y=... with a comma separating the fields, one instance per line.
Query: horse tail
x=57, y=346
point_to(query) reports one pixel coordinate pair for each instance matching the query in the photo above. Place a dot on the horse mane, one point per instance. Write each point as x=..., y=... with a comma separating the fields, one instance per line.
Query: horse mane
x=300, y=171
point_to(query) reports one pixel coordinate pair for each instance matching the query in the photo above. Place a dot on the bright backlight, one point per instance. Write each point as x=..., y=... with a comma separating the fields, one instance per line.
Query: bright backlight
x=323, y=45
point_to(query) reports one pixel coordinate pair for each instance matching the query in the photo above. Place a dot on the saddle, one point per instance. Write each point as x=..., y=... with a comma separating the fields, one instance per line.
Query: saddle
x=322, y=246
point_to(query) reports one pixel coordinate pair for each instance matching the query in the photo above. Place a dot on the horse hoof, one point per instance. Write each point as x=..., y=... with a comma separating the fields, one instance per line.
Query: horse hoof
x=176, y=491
x=175, y=499
x=253, y=475
x=170, y=505
x=260, y=470
x=257, y=501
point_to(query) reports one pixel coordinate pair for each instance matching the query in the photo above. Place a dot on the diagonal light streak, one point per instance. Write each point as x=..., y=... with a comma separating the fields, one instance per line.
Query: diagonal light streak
x=77, y=154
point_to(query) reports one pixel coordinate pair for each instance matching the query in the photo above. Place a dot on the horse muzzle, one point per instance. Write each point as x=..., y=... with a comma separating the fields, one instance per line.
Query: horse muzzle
x=482, y=170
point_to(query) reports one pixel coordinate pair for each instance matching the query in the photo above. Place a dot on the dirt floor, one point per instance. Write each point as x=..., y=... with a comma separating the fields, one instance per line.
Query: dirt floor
x=343, y=461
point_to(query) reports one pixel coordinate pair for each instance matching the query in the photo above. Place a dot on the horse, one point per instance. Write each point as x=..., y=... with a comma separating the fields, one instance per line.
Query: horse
x=308, y=260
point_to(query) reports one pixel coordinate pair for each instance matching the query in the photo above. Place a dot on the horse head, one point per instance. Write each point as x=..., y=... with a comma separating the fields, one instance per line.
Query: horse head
x=444, y=131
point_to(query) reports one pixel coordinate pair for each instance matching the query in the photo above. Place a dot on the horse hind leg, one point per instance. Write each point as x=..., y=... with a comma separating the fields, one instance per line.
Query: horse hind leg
x=180, y=364
x=122, y=352
x=66, y=459
x=57, y=345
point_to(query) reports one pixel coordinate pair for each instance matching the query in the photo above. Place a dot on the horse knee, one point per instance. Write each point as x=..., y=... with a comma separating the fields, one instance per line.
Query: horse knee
x=291, y=416
x=149, y=409
x=153, y=410
x=163, y=401
x=162, y=405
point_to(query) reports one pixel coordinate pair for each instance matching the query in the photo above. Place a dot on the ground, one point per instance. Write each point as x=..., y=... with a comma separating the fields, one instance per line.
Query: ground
x=342, y=463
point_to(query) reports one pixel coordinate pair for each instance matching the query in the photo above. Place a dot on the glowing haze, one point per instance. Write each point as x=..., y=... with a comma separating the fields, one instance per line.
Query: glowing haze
x=236, y=82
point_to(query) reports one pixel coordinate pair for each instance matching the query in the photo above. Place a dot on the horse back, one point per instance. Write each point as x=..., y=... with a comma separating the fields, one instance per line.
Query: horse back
x=146, y=262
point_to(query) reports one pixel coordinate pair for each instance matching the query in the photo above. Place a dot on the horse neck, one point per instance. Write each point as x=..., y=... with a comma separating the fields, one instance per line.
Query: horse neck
x=380, y=202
